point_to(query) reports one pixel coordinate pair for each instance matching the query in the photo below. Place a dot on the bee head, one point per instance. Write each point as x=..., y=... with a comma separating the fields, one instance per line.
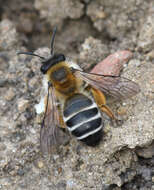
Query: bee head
x=52, y=60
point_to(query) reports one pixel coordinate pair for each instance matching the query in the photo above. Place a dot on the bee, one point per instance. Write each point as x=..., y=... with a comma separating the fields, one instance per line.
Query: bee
x=75, y=100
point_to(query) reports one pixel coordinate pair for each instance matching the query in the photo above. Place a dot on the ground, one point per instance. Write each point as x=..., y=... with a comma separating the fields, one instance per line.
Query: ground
x=88, y=32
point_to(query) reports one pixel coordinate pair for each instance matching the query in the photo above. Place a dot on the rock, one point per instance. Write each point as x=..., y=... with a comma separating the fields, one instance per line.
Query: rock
x=113, y=64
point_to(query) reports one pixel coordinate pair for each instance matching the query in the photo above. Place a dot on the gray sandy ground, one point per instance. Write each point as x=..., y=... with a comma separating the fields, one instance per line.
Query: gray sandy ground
x=88, y=31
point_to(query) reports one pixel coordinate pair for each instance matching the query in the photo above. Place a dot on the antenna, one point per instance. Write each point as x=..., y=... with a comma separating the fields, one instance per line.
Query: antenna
x=51, y=51
x=30, y=53
x=52, y=39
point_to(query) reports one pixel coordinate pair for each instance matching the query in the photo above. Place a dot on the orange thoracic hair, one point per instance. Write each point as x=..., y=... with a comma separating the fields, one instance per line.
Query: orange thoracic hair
x=68, y=86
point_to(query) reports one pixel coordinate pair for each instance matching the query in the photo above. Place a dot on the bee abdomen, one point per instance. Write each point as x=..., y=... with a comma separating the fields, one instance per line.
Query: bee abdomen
x=83, y=119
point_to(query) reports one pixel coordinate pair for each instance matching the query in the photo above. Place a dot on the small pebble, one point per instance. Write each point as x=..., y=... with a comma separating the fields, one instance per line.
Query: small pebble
x=135, y=62
x=40, y=164
x=22, y=104
x=113, y=64
x=10, y=94
x=122, y=111
x=151, y=55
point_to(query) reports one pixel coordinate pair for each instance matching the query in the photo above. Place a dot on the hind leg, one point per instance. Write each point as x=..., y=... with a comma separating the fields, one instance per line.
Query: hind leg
x=101, y=102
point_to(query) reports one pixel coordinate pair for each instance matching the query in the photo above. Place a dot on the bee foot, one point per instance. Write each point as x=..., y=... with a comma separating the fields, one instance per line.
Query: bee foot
x=117, y=122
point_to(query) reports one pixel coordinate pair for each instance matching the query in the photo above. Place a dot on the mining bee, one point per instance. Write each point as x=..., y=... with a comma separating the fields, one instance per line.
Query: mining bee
x=75, y=100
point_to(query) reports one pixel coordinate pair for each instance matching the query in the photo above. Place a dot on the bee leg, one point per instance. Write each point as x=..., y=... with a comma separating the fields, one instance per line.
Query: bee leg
x=101, y=102
x=61, y=122
x=104, y=108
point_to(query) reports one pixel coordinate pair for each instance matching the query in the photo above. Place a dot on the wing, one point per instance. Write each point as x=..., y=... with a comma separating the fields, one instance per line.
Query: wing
x=50, y=132
x=115, y=86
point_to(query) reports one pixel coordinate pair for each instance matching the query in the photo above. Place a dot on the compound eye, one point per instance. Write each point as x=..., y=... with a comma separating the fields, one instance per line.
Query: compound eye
x=59, y=74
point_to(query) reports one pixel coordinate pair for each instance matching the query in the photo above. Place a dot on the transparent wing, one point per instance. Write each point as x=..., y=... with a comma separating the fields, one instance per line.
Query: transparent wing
x=50, y=132
x=115, y=86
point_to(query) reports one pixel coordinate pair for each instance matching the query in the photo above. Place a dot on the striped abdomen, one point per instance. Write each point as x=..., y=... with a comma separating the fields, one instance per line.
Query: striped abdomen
x=83, y=119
